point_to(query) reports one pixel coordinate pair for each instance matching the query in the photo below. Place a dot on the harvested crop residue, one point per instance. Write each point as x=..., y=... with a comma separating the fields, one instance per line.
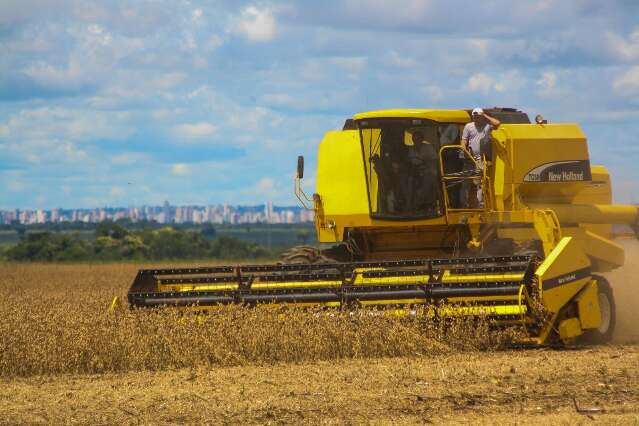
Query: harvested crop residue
x=508, y=387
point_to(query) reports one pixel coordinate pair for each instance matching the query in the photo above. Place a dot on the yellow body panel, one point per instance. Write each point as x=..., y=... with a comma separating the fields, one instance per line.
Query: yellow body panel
x=564, y=272
x=341, y=184
x=588, y=306
x=569, y=329
x=340, y=178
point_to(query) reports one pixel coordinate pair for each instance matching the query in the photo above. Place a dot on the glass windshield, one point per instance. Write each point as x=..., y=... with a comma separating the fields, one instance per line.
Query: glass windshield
x=402, y=166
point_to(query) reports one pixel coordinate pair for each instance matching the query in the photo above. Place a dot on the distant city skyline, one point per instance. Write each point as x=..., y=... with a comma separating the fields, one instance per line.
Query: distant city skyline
x=165, y=214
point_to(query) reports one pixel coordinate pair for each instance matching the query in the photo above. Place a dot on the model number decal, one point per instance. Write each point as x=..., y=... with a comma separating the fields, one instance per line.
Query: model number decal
x=550, y=283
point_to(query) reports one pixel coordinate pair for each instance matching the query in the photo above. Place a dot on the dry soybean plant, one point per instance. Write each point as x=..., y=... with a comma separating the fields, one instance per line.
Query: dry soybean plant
x=55, y=320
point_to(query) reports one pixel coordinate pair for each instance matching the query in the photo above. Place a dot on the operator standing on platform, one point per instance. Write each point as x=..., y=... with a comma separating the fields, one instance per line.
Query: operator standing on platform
x=476, y=134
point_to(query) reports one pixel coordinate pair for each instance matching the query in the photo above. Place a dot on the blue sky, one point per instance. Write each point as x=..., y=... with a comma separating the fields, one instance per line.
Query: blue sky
x=134, y=102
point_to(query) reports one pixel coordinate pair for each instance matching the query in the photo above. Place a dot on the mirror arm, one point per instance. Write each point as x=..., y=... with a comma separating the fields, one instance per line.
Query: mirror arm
x=300, y=194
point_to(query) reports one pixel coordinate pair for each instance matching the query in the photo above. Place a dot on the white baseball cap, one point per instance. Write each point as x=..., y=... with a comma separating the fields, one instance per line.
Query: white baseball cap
x=477, y=111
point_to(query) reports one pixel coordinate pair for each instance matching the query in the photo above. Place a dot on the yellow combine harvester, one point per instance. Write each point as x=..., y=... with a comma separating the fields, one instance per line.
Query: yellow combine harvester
x=409, y=232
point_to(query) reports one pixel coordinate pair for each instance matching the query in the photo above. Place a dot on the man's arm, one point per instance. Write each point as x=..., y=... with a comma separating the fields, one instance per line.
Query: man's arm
x=492, y=120
x=464, y=138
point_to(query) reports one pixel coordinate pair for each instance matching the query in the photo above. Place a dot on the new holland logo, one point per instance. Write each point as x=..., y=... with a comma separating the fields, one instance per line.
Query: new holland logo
x=560, y=171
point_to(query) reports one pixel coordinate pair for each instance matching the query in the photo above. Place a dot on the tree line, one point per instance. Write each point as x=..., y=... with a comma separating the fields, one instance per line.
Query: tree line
x=114, y=242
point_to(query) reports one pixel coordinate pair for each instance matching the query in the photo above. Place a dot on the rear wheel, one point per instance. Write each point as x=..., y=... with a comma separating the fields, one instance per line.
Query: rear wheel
x=603, y=334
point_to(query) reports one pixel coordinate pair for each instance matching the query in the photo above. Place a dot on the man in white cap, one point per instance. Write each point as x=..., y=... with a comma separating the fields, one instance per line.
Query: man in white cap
x=475, y=136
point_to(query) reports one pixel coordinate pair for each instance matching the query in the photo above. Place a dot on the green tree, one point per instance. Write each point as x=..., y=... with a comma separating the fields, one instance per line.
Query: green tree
x=208, y=231
x=302, y=235
x=45, y=246
x=169, y=243
x=226, y=247
x=112, y=230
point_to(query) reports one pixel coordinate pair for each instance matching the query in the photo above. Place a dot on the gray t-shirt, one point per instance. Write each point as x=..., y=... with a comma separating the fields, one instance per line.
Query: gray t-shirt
x=476, y=135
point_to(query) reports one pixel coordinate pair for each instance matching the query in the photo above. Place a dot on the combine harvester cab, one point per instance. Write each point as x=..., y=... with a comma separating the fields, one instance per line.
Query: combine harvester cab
x=395, y=198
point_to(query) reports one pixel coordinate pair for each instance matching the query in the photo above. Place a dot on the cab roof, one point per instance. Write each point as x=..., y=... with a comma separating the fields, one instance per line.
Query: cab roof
x=505, y=115
x=440, y=115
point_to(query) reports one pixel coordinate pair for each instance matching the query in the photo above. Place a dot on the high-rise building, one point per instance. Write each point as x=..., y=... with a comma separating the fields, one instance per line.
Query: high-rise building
x=226, y=213
x=166, y=209
x=41, y=216
x=197, y=216
x=268, y=212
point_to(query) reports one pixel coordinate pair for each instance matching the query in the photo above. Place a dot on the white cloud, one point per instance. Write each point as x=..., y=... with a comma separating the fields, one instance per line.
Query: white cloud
x=266, y=188
x=40, y=199
x=433, y=93
x=180, y=169
x=478, y=45
x=480, y=82
x=506, y=82
x=117, y=191
x=72, y=152
x=256, y=24
x=249, y=118
x=282, y=99
x=547, y=85
x=102, y=36
x=548, y=80
x=89, y=59
x=127, y=158
x=610, y=116
x=312, y=69
x=69, y=77
x=628, y=82
x=194, y=130
x=213, y=43
x=197, y=14
x=169, y=80
x=398, y=12
x=58, y=123
x=265, y=184
x=200, y=63
x=188, y=41
x=353, y=64
x=626, y=49
x=33, y=158
x=401, y=60
x=160, y=114
x=15, y=186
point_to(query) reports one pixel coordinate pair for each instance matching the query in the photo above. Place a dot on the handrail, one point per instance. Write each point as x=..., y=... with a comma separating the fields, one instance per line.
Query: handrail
x=472, y=174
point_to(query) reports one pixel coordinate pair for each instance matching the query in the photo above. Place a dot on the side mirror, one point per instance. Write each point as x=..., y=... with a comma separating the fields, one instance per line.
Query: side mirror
x=300, y=167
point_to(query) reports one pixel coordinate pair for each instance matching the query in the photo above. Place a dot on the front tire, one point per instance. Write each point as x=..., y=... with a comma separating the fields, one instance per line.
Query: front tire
x=603, y=334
